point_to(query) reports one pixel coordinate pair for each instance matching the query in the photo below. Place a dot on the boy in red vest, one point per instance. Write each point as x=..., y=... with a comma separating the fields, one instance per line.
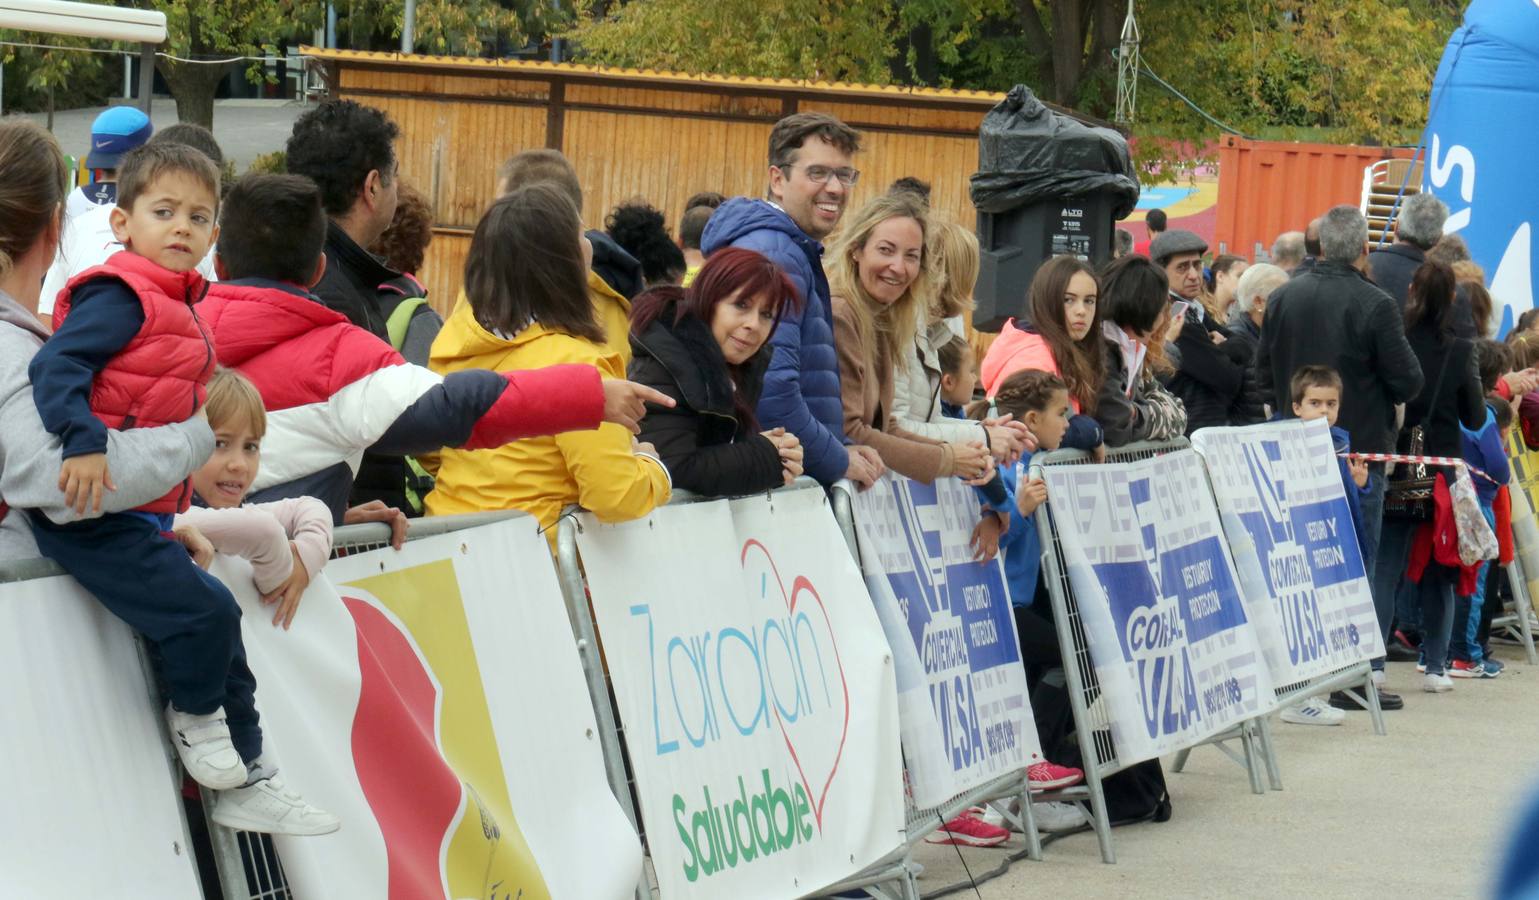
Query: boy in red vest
x=128, y=350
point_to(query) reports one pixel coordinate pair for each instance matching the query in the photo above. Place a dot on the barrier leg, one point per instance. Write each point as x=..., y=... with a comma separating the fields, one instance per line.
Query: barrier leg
x=1248, y=745
x=1029, y=823
x=1522, y=607
x=1274, y=777
x=1371, y=692
x=1179, y=764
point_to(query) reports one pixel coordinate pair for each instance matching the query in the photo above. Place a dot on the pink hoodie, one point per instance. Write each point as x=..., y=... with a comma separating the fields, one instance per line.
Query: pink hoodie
x=1016, y=349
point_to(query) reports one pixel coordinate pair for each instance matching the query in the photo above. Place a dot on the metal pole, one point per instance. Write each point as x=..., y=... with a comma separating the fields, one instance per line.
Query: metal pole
x=556, y=48
x=331, y=25
x=146, y=75
x=409, y=26
x=128, y=76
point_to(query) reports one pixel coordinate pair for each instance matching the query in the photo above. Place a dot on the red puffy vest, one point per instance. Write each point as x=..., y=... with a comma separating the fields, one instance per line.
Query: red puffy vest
x=160, y=377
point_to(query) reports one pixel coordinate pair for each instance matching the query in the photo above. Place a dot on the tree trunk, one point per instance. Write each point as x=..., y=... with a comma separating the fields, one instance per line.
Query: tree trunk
x=193, y=86
x=1068, y=51
x=50, y=108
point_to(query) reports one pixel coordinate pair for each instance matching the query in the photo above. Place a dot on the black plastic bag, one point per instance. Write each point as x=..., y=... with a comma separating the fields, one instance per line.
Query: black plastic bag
x=1028, y=153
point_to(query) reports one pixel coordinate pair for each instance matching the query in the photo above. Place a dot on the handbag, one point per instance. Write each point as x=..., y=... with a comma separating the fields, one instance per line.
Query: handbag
x=1409, y=498
x=1477, y=541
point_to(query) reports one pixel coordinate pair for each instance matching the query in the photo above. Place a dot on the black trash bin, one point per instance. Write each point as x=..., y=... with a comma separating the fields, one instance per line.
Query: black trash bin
x=1046, y=185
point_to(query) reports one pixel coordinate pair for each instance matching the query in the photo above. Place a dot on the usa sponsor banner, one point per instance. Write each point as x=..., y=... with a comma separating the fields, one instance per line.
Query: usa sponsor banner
x=757, y=694
x=966, y=716
x=91, y=803
x=1174, y=650
x=1285, y=513
x=434, y=701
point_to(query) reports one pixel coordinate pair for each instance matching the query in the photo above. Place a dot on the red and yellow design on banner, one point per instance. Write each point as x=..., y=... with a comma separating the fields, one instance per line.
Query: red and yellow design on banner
x=424, y=747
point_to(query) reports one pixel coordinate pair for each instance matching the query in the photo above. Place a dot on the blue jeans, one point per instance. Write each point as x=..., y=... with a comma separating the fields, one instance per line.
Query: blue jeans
x=1372, y=543
x=1464, y=644
x=1437, y=600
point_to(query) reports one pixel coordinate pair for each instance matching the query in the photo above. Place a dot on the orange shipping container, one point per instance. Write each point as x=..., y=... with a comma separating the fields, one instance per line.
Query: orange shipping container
x=1268, y=187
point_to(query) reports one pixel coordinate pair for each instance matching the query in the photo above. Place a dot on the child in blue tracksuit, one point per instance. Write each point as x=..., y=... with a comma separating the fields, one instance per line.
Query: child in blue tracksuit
x=1316, y=392
x=1484, y=449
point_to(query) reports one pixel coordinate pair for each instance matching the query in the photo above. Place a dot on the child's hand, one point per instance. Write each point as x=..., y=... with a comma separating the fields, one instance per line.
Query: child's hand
x=1030, y=496
x=82, y=478
x=288, y=593
x=625, y=403
x=1359, y=469
x=198, y=546
x=377, y=511
x=985, y=539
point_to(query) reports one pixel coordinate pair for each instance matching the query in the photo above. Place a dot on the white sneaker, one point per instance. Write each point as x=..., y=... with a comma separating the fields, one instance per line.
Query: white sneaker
x=203, y=743
x=1437, y=684
x=271, y=808
x=991, y=816
x=1312, y=711
x=1059, y=816
x=1378, y=678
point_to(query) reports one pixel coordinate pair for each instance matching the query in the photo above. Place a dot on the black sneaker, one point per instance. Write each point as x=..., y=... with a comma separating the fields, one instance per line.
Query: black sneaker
x=1398, y=652
x=1342, y=700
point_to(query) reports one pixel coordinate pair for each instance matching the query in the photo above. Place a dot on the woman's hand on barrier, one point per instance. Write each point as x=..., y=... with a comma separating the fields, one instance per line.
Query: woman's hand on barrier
x=865, y=466
x=377, y=511
x=288, y=593
x=625, y=402
x=971, y=460
x=789, y=448
x=1030, y=496
x=198, y=546
x=1005, y=443
x=985, y=539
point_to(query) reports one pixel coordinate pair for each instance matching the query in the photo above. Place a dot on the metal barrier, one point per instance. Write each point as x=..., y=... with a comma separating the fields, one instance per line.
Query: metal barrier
x=1519, y=624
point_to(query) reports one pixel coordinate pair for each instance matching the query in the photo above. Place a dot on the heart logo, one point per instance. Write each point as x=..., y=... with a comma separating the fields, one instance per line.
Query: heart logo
x=803, y=589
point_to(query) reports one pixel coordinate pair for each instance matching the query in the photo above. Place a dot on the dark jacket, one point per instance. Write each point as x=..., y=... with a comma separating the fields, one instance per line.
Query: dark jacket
x=1335, y=317
x=619, y=269
x=1147, y=413
x=1442, y=406
x=1208, y=380
x=706, y=448
x=1394, y=266
x=801, y=387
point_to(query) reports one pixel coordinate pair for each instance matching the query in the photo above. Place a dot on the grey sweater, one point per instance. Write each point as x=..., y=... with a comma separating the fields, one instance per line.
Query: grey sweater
x=145, y=463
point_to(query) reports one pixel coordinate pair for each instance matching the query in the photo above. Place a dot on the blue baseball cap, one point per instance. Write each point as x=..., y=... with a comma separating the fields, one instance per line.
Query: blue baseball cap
x=114, y=133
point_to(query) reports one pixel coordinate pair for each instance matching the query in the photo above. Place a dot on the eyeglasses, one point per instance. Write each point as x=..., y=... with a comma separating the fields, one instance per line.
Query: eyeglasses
x=821, y=174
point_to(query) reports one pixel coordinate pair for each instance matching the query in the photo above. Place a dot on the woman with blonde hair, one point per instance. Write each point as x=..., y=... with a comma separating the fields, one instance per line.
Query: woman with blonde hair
x=916, y=403
x=877, y=279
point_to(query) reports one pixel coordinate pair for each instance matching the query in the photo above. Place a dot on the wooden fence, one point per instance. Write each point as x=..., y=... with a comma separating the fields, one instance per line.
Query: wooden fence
x=659, y=136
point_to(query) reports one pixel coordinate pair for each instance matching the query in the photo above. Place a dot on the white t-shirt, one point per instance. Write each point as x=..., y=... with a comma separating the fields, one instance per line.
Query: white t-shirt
x=88, y=197
x=87, y=242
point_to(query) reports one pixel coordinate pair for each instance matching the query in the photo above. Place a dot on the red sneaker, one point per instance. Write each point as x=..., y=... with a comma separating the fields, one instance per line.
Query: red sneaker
x=969, y=831
x=1046, y=776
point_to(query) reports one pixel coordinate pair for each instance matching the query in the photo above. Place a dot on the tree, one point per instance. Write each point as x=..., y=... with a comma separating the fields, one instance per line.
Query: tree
x=45, y=72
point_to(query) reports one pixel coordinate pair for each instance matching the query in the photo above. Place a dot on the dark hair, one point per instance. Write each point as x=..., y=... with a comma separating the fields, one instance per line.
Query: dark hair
x=727, y=271
x=1494, y=360
x=1431, y=297
x=951, y=354
x=1155, y=220
x=790, y=133
x=336, y=145
x=640, y=230
x=1225, y=262
x=1503, y=411
x=534, y=166
x=692, y=226
x=913, y=186
x=1312, y=237
x=1029, y=390
x=1123, y=242
x=1525, y=347
x=1449, y=249
x=1307, y=377
x=1134, y=292
x=195, y=136
x=32, y=187
x=273, y=227
x=1081, y=364
x=526, y=264
x=1481, y=303
x=1527, y=319
x=147, y=162
x=404, y=244
x=708, y=199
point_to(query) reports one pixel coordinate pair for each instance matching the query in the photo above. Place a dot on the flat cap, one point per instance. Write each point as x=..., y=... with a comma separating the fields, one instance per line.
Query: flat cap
x=1169, y=243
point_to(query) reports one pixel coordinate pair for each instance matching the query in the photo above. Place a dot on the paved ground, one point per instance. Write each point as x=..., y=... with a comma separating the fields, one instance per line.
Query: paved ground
x=1422, y=812
x=245, y=129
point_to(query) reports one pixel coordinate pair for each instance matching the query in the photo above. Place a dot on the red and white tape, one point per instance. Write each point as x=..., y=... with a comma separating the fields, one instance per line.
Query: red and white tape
x=1418, y=460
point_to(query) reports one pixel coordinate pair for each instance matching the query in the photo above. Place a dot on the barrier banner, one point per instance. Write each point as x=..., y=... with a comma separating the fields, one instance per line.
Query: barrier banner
x=434, y=701
x=92, y=806
x=965, y=712
x=1284, y=510
x=1175, y=653
x=756, y=690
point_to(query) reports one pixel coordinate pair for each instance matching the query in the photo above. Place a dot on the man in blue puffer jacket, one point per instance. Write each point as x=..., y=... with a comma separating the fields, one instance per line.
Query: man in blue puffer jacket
x=810, y=176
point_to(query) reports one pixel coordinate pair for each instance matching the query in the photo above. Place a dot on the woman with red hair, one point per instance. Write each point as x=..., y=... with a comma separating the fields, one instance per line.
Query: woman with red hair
x=707, y=347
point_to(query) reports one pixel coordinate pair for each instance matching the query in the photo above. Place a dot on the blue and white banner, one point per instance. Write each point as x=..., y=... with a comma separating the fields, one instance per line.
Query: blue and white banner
x=963, y=708
x=1175, y=652
x=1286, y=515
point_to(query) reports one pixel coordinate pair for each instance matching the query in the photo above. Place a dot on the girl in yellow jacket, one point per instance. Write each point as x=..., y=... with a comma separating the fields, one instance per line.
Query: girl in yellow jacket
x=527, y=307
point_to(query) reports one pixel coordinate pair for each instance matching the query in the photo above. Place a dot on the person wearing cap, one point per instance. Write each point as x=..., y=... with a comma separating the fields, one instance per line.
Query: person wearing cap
x=1211, y=380
x=114, y=133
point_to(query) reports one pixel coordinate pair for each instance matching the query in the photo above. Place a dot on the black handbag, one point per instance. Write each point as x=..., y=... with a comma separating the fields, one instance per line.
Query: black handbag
x=1408, y=498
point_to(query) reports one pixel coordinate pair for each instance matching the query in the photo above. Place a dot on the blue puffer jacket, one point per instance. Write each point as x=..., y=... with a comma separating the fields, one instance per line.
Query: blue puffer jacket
x=801, y=387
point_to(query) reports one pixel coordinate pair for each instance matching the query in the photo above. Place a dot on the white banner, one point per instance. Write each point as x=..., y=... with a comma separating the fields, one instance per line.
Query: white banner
x=91, y=804
x=1175, y=653
x=966, y=716
x=757, y=694
x=437, y=705
x=1285, y=513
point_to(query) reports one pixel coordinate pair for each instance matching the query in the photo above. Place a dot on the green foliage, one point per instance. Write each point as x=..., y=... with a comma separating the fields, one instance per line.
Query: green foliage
x=72, y=77
x=274, y=163
x=443, y=27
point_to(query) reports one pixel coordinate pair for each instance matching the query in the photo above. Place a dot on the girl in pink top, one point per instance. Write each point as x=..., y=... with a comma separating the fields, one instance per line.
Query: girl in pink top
x=287, y=541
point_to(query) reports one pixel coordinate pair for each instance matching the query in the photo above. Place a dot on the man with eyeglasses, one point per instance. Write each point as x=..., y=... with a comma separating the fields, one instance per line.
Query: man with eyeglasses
x=811, y=173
